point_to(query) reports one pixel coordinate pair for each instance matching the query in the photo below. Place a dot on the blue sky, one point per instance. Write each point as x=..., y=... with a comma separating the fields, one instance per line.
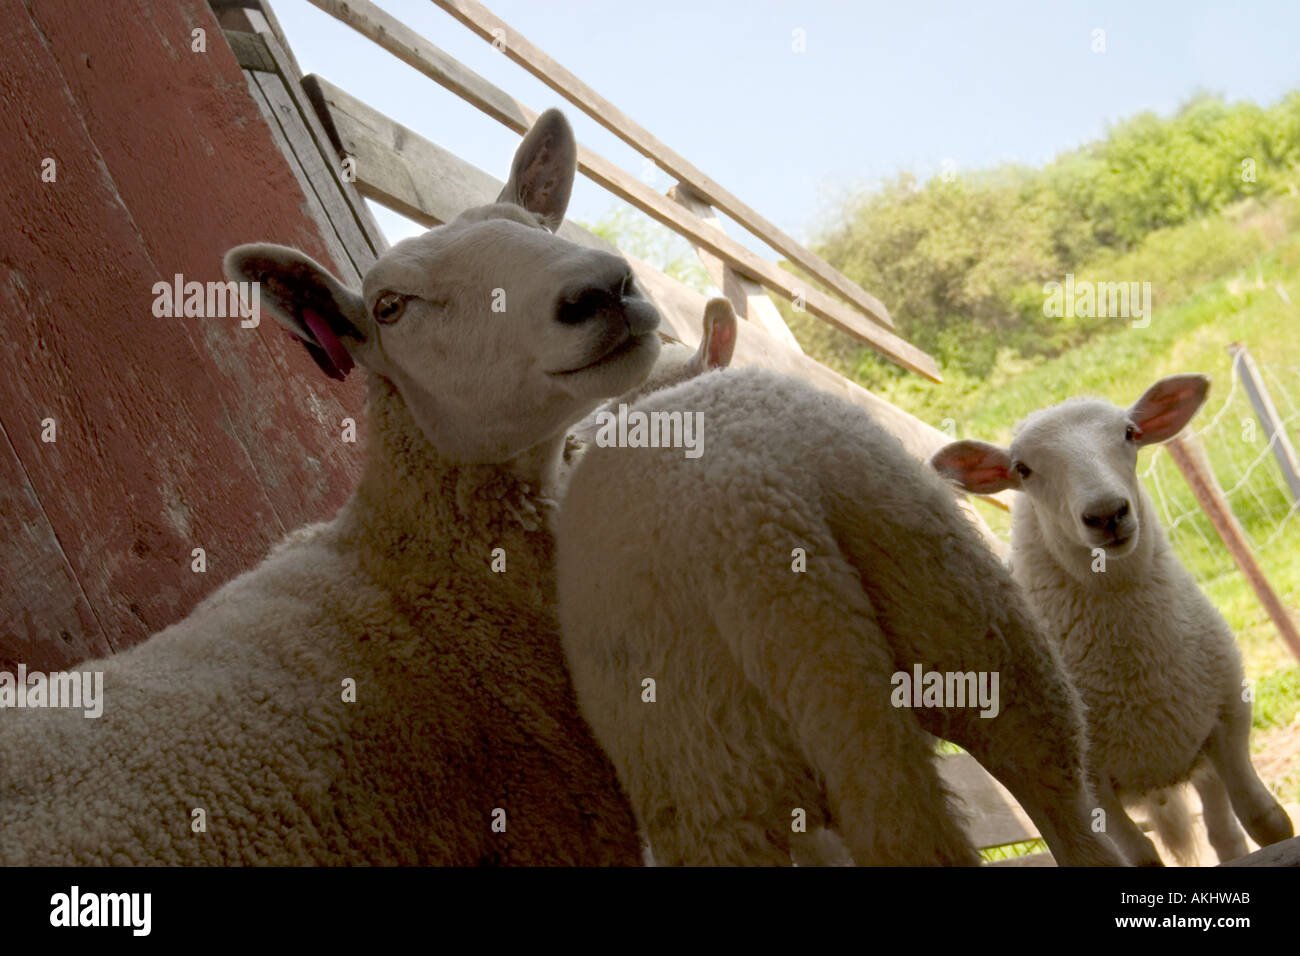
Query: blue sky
x=881, y=87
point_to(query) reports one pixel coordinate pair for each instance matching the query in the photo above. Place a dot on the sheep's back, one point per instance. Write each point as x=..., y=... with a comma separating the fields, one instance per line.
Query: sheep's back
x=239, y=710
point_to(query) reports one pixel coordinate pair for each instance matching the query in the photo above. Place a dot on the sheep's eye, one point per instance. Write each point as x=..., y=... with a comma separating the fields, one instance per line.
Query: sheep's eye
x=1021, y=469
x=1131, y=433
x=389, y=307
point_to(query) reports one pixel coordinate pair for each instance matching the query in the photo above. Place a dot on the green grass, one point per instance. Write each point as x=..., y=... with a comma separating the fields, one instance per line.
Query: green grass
x=1277, y=698
x=994, y=854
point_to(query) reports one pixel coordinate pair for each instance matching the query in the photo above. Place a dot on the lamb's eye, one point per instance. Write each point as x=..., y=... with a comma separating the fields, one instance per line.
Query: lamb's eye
x=1131, y=433
x=389, y=307
x=1021, y=469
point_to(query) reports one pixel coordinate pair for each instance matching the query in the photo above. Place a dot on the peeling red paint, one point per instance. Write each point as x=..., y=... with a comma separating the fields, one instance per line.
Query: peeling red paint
x=173, y=433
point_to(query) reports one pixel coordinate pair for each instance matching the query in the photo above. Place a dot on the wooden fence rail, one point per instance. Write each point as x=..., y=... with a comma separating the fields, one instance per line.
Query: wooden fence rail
x=490, y=27
x=413, y=49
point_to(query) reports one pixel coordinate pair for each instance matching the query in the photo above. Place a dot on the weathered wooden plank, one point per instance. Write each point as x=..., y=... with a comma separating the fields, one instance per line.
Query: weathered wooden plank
x=174, y=433
x=413, y=49
x=372, y=241
x=1286, y=853
x=670, y=214
x=45, y=620
x=254, y=16
x=746, y=296
x=490, y=27
x=199, y=171
x=135, y=420
x=994, y=817
x=262, y=86
x=250, y=52
x=385, y=179
x=398, y=168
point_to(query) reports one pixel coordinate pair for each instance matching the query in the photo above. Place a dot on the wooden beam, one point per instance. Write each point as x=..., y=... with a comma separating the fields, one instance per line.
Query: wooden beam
x=993, y=818
x=348, y=269
x=746, y=296
x=307, y=144
x=1286, y=853
x=395, y=166
x=413, y=49
x=1189, y=455
x=490, y=27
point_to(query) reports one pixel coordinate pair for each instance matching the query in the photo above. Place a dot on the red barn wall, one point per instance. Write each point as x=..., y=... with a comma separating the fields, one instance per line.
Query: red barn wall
x=171, y=433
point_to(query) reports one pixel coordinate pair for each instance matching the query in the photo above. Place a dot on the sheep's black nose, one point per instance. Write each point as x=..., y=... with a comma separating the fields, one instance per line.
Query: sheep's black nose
x=1107, y=514
x=601, y=290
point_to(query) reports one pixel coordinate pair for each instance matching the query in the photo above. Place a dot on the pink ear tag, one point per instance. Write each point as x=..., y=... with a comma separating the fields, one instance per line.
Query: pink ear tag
x=329, y=342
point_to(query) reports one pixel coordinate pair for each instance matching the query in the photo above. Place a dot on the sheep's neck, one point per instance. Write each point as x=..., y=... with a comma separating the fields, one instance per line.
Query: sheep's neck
x=413, y=509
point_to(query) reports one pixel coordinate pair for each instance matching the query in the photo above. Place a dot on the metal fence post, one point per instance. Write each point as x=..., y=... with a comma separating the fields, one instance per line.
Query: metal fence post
x=1267, y=414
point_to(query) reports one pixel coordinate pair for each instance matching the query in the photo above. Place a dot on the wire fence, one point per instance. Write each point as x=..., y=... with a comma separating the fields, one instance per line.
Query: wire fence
x=1243, y=459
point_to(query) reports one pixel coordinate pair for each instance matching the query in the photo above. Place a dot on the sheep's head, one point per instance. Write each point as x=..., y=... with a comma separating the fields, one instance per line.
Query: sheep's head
x=1077, y=463
x=497, y=333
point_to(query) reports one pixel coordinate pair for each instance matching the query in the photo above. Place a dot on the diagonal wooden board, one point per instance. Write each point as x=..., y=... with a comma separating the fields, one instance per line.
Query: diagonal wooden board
x=412, y=48
x=514, y=45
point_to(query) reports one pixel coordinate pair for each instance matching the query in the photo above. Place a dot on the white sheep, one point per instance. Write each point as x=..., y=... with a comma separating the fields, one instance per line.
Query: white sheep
x=387, y=687
x=1156, y=665
x=734, y=624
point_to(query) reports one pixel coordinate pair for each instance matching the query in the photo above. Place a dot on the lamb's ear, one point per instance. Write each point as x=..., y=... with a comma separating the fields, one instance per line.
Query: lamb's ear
x=541, y=176
x=302, y=295
x=976, y=466
x=1167, y=406
x=719, y=340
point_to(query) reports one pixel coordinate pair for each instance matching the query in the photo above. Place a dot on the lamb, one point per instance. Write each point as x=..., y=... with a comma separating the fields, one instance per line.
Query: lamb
x=382, y=688
x=734, y=625
x=1156, y=665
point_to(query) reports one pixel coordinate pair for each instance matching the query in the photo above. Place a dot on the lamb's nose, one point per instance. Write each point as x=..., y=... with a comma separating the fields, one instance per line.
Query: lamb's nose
x=607, y=280
x=611, y=297
x=1107, y=513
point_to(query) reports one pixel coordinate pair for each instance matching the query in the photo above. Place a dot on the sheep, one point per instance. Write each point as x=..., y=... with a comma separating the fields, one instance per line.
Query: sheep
x=1155, y=663
x=389, y=686
x=735, y=625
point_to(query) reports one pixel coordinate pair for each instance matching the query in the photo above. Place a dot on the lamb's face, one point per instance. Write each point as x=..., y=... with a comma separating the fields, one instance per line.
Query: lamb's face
x=499, y=334
x=1077, y=463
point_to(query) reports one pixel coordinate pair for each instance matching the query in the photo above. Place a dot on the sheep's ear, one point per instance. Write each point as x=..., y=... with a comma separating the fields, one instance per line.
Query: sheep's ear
x=1167, y=406
x=541, y=176
x=302, y=295
x=719, y=340
x=976, y=466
